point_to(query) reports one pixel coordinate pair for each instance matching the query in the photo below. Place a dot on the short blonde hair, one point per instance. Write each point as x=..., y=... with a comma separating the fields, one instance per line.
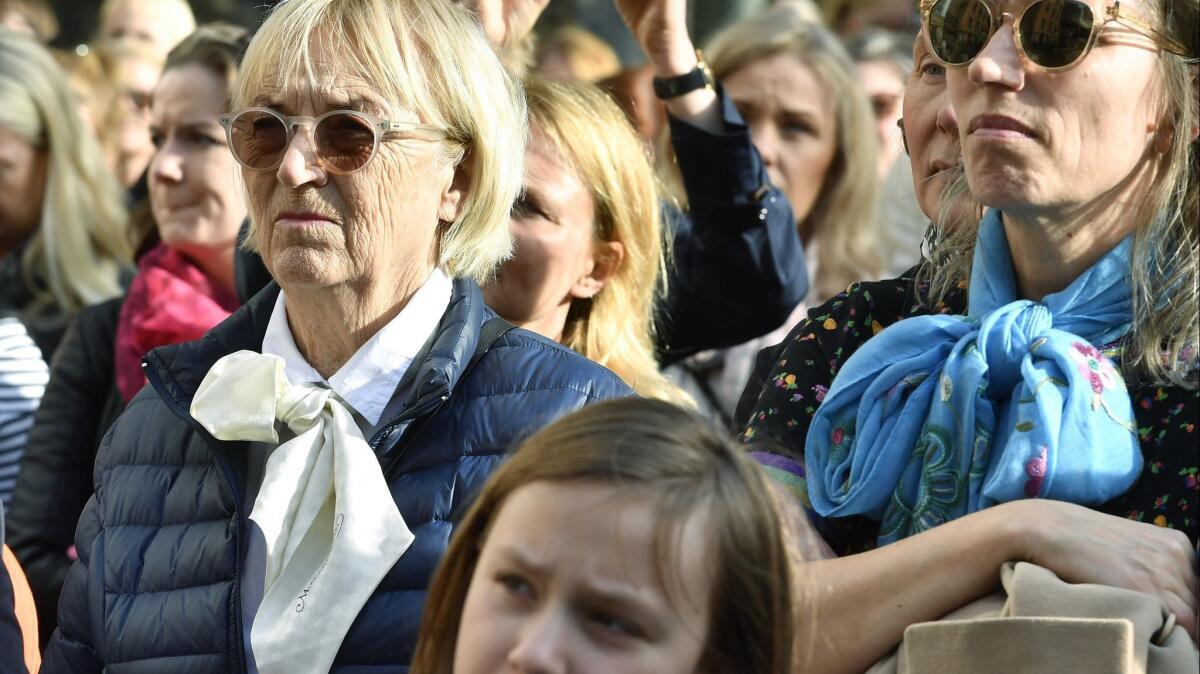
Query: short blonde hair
x=616, y=327
x=844, y=216
x=80, y=247
x=431, y=58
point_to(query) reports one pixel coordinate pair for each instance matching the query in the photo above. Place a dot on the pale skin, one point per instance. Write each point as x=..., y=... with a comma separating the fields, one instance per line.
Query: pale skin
x=568, y=580
x=348, y=254
x=558, y=257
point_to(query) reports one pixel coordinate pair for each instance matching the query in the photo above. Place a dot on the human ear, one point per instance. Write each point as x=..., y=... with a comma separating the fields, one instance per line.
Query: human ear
x=454, y=197
x=607, y=257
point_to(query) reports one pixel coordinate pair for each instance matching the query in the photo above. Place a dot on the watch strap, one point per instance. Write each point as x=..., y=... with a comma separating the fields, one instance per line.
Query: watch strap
x=697, y=78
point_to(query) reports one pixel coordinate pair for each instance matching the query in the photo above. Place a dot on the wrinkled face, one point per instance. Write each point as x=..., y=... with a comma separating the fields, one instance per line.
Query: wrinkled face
x=22, y=188
x=554, y=231
x=1035, y=140
x=316, y=229
x=931, y=128
x=193, y=193
x=568, y=580
x=793, y=122
x=885, y=89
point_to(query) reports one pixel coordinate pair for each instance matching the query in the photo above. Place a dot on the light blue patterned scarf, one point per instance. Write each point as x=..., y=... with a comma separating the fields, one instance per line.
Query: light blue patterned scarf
x=940, y=416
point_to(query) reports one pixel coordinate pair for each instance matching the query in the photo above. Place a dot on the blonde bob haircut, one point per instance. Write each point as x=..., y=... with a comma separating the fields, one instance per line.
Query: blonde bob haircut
x=686, y=466
x=428, y=57
x=843, y=219
x=615, y=327
x=1163, y=347
x=75, y=257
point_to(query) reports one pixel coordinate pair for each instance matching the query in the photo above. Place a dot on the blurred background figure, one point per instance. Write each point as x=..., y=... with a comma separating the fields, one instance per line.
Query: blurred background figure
x=23, y=377
x=184, y=287
x=809, y=116
x=571, y=52
x=130, y=69
x=850, y=17
x=157, y=24
x=32, y=17
x=884, y=60
x=63, y=239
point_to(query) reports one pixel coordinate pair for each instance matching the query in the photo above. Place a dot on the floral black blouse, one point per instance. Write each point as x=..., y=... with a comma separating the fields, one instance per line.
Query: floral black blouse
x=804, y=365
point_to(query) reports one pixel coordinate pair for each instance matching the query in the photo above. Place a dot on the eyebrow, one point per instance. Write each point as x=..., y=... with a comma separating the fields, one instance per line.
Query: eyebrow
x=358, y=103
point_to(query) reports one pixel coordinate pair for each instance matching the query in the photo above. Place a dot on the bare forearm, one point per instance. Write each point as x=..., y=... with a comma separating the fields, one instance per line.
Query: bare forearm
x=854, y=609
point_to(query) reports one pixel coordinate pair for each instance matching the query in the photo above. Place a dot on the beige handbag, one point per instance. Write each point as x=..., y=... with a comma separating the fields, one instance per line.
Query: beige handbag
x=1039, y=623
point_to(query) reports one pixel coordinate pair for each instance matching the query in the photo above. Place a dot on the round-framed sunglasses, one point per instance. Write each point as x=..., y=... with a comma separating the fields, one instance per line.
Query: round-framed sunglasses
x=343, y=140
x=1053, y=34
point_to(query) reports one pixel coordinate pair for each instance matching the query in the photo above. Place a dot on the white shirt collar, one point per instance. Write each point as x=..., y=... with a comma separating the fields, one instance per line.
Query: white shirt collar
x=367, y=381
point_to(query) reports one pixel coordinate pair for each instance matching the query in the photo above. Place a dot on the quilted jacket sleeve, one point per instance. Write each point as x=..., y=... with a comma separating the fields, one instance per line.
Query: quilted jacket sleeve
x=72, y=648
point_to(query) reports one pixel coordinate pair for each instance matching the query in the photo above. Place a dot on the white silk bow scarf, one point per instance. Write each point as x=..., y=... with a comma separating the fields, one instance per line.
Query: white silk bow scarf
x=331, y=527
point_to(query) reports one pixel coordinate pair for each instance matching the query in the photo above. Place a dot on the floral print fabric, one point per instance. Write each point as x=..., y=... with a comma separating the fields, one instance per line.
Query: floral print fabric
x=1167, y=493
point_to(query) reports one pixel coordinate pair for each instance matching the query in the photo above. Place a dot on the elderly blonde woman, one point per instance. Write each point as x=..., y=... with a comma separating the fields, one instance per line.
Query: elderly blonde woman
x=1061, y=330
x=62, y=221
x=589, y=261
x=277, y=498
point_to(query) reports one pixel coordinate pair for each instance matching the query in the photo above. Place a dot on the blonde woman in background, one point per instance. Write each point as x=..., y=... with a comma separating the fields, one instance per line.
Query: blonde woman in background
x=810, y=120
x=589, y=244
x=571, y=52
x=63, y=244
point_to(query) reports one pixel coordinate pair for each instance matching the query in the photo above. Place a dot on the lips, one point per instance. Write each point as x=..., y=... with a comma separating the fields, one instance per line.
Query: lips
x=309, y=217
x=1000, y=127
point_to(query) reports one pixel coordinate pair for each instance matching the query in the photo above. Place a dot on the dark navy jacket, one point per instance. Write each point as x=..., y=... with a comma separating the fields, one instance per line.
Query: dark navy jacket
x=160, y=544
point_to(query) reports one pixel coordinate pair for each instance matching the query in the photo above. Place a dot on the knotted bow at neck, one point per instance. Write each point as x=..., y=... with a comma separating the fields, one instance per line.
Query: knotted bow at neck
x=940, y=416
x=331, y=527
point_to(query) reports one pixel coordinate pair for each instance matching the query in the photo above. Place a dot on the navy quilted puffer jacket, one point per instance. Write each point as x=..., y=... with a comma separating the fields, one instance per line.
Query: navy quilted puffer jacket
x=156, y=588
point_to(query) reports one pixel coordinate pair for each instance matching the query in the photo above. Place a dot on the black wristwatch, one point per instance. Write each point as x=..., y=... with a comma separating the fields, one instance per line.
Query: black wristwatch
x=700, y=77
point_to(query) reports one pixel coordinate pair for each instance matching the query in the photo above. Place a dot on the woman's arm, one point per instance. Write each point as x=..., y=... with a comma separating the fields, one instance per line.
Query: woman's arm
x=859, y=606
x=738, y=267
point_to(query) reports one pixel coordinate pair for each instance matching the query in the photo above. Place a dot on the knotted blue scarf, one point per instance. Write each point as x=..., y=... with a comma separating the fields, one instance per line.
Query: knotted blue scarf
x=940, y=416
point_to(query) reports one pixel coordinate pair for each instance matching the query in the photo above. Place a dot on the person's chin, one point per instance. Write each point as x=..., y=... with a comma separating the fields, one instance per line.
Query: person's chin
x=297, y=267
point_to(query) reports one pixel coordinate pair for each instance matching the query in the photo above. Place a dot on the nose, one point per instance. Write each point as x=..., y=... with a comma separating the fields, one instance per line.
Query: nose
x=999, y=62
x=300, y=165
x=540, y=648
x=947, y=119
x=167, y=165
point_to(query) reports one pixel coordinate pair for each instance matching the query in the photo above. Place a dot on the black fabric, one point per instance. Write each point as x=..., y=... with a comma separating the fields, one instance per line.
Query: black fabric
x=738, y=267
x=80, y=403
x=12, y=643
x=157, y=584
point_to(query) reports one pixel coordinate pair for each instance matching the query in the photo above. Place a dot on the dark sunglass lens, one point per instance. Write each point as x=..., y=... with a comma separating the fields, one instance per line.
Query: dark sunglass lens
x=1054, y=33
x=959, y=29
x=258, y=139
x=345, y=142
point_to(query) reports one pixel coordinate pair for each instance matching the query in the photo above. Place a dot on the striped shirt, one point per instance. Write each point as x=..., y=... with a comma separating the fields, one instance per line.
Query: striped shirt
x=23, y=378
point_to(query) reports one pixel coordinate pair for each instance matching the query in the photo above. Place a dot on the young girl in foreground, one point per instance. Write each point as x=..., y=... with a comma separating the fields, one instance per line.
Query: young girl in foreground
x=631, y=536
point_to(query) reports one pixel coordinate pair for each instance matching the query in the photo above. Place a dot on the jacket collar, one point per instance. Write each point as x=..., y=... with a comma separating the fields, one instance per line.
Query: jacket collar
x=180, y=368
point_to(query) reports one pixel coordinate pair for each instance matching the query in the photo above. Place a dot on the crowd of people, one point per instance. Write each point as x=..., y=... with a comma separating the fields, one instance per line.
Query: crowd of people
x=397, y=335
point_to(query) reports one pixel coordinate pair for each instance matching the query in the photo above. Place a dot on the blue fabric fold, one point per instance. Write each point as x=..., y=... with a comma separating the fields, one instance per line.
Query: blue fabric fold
x=940, y=416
